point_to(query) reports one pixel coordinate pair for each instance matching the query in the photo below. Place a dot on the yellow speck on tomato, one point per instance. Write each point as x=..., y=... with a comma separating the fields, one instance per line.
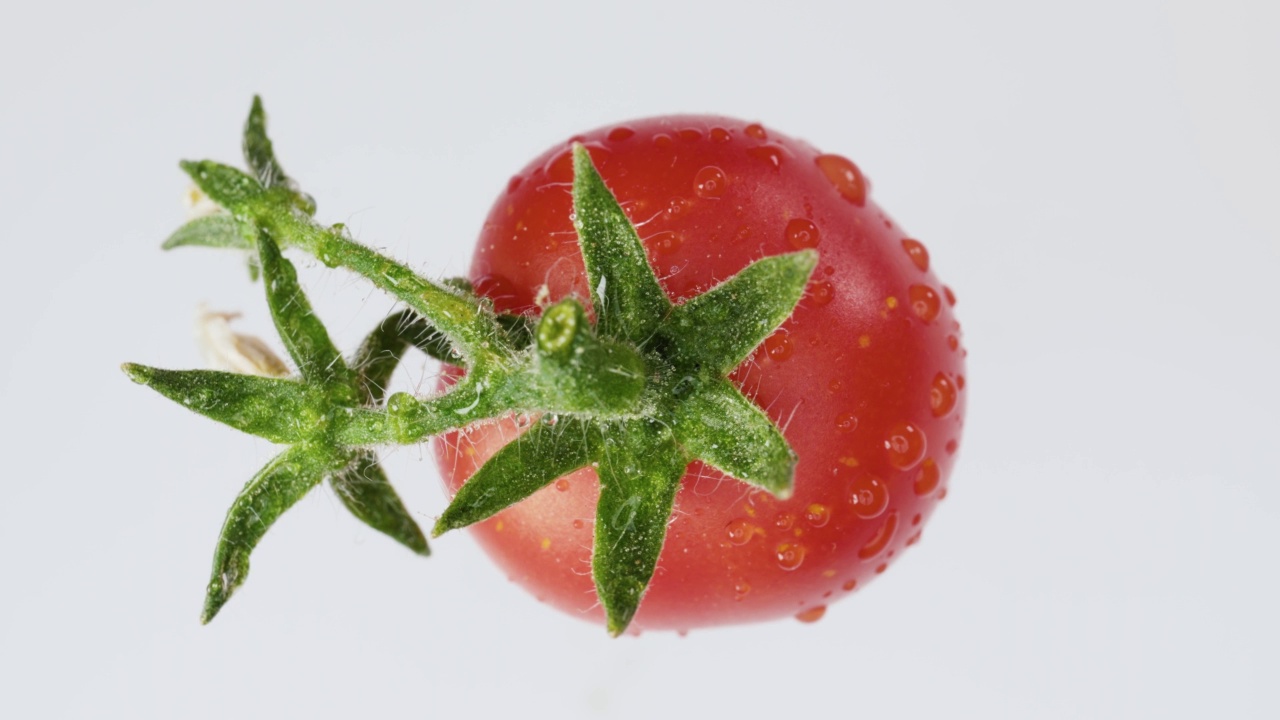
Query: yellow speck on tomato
x=546, y=543
x=497, y=527
x=864, y=341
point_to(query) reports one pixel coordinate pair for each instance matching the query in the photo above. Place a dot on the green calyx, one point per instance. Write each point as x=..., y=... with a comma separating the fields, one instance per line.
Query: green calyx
x=637, y=394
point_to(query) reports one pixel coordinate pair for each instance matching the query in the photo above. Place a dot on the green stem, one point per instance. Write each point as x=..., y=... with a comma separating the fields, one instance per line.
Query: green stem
x=470, y=327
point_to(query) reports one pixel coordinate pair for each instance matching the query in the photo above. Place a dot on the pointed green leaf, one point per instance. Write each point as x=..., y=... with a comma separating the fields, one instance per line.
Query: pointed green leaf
x=363, y=487
x=282, y=411
x=724, y=429
x=628, y=300
x=268, y=495
x=225, y=185
x=524, y=466
x=304, y=336
x=258, y=153
x=719, y=328
x=219, y=230
x=639, y=477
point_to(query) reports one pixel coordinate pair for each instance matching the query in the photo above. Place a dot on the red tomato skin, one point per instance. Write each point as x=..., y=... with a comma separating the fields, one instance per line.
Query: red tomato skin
x=866, y=378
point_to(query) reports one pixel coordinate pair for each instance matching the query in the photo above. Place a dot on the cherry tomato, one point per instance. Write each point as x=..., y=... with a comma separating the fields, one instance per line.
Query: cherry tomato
x=866, y=378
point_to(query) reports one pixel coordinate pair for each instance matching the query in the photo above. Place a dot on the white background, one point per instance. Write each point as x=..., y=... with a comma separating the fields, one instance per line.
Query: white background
x=1097, y=180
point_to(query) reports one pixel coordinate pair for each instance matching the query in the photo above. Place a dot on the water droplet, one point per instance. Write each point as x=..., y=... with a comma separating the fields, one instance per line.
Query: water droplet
x=849, y=585
x=880, y=540
x=928, y=478
x=953, y=342
x=817, y=515
x=756, y=130
x=689, y=135
x=847, y=422
x=790, y=555
x=915, y=538
x=821, y=293
x=683, y=632
x=951, y=297
x=719, y=134
x=812, y=615
x=951, y=447
x=960, y=382
x=578, y=524
x=845, y=177
x=676, y=207
x=740, y=531
x=662, y=140
x=924, y=302
x=905, y=444
x=514, y=183
x=666, y=243
x=942, y=395
x=740, y=588
x=802, y=234
x=619, y=134
x=778, y=346
x=916, y=520
x=710, y=182
x=560, y=169
x=881, y=568
x=767, y=154
x=869, y=496
x=562, y=485
x=784, y=521
x=917, y=252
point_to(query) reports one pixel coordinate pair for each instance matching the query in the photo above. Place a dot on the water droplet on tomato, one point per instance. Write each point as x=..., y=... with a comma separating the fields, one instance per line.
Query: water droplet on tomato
x=767, y=154
x=960, y=382
x=790, y=556
x=666, y=243
x=951, y=447
x=846, y=422
x=849, y=585
x=928, y=478
x=821, y=293
x=662, y=140
x=619, y=134
x=942, y=395
x=869, y=496
x=817, y=515
x=953, y=342
x=778, y=346
x=845, y=177
x=560, y=169
x=756, y=130
x=710, y=182
x=719, y=134
x=915, y=538
x=740, y=588
x=562, y=485
x=740, y=531
x=784, y=521
x=578, y=524
x=917, y=252
x=924, y=302
x=812, y=615
x=802, y=234
x=676, y=207
x=689, y=135
x=951, y=297
x=514, y=183
x=905, y=443
x=881, y=539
